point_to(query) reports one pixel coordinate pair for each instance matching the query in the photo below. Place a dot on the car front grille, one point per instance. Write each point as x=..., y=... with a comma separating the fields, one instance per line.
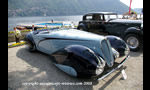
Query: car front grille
x=107, y=52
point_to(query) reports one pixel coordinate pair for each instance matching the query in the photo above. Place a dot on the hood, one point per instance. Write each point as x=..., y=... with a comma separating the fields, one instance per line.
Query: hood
x=73, y=34
x=127, y=21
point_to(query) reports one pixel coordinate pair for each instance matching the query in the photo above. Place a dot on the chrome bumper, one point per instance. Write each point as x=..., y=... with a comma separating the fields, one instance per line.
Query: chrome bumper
x=114, y=69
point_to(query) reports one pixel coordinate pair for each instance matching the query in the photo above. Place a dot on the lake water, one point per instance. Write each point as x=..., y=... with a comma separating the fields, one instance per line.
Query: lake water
x=14, y=21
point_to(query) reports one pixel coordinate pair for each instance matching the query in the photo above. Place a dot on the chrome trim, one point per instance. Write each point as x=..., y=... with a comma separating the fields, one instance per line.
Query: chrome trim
x=110, y=52
x=114, y=68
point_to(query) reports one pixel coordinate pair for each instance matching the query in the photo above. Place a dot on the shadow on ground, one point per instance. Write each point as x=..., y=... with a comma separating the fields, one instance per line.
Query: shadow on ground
x=40, y=69
x=137, y=53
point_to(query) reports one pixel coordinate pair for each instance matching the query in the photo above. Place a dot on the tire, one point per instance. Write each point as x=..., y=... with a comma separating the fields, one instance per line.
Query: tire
x=31, y=47
x=133, y=41
x=83, y=28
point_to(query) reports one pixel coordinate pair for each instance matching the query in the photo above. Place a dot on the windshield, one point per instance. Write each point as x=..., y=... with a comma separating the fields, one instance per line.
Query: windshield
x=107, y=17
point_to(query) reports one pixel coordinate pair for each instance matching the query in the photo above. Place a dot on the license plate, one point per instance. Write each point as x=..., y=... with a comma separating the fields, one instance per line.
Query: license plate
x=124, y=74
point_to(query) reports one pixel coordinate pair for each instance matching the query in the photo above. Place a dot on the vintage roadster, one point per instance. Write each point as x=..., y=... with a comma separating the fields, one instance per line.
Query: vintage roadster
x=79, y=53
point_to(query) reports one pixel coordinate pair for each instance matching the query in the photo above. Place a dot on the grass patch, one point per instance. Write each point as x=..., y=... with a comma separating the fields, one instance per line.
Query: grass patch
x=16, y=44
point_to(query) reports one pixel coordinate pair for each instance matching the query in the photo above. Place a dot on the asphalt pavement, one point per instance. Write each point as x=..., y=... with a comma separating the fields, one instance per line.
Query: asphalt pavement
x=35, y=71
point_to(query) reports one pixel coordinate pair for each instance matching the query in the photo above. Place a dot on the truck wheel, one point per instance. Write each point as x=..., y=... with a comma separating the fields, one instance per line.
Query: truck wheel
x=133, y=41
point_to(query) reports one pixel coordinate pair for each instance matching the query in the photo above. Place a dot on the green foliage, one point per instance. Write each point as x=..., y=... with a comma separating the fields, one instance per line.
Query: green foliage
x=16, y=44
x=27, y=30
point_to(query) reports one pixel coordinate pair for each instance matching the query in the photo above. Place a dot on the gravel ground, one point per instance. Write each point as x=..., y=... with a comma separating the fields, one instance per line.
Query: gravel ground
x=35, y=71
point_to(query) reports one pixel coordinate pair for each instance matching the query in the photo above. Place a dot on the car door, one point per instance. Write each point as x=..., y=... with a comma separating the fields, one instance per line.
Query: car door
x=115, y=28
x=43, y=43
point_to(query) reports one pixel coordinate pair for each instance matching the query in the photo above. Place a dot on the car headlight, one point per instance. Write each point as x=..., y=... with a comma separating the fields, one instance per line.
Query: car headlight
x=99, y=71
x=100, y=67
x=116, y=53
x=127, y=50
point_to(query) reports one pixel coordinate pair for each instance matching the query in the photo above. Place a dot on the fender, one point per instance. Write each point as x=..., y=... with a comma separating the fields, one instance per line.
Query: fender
x=133, y=30
x=119, y=45
x=29, y=38
x=78, y=60
x=83, y=26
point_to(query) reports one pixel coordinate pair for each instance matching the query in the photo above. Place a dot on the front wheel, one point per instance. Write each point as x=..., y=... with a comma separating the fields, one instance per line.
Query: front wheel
x=133, y=41
x=30, y=46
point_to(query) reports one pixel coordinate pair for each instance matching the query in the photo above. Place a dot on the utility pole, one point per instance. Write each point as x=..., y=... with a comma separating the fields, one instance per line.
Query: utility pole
x=130, y=6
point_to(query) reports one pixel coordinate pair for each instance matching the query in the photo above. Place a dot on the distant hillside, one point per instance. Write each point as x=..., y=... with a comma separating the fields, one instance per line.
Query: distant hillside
x=62, y=7
x=138, y=10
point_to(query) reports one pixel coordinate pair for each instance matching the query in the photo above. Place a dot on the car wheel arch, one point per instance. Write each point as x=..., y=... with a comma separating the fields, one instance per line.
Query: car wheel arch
x=83, y=26
x=132, y=29
x=32, y=46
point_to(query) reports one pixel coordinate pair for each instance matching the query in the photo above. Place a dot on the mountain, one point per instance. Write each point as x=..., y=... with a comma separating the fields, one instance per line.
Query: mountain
x=138, y=10
x=63, y=7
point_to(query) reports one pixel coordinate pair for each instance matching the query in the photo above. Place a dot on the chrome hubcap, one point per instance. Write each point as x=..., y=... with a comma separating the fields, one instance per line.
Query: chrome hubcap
x=132, y=42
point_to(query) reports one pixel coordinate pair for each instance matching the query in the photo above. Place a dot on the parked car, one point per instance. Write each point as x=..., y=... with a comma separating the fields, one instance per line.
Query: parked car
x=108, y=23
x=79, y=53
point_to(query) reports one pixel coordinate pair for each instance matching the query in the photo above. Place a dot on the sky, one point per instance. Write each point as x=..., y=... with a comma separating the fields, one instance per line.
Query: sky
x=134, y=4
